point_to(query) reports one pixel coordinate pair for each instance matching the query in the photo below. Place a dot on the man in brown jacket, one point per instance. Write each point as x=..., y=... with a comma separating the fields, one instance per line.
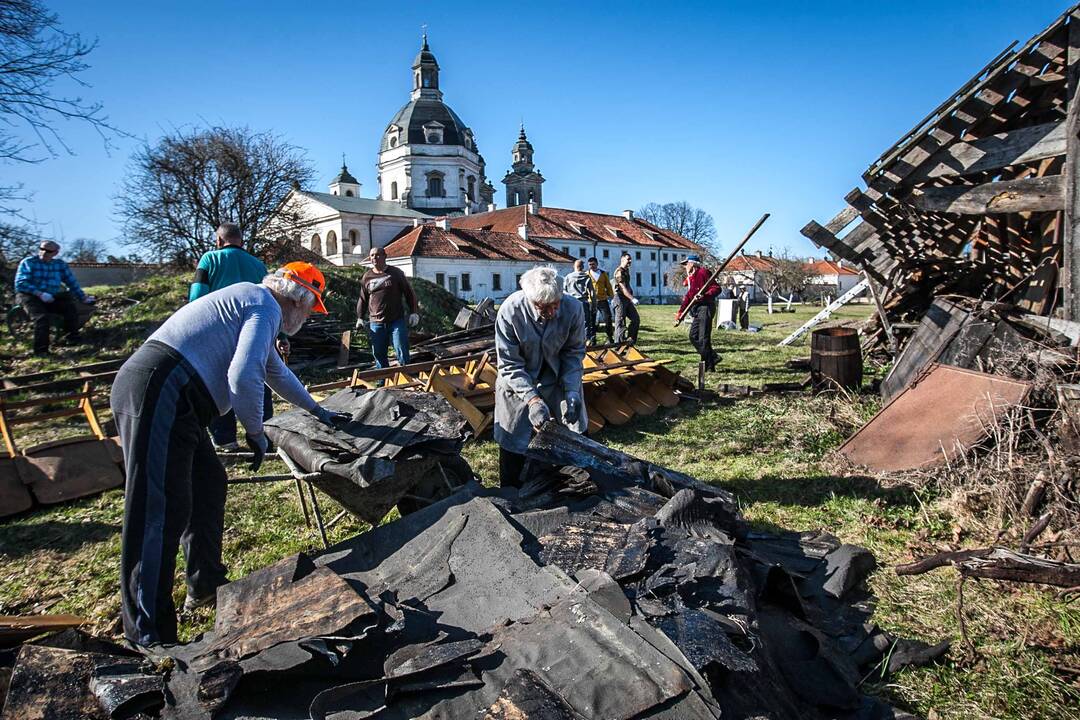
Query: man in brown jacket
x=385, y=296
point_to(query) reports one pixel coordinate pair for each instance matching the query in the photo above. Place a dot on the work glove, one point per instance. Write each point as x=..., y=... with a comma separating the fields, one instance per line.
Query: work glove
x=414, y=320
x=329, y=418
x=89, y=299
x=634, y=300
x=361, y=324
x=538, y=413
x=257, y=444
x=46, y=297
x=573, y=408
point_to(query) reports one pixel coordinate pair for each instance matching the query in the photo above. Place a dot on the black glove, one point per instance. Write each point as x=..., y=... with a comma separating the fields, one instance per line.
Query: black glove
x=538, y=414
x=330, y=418
x=573, y=408
x=257, y=444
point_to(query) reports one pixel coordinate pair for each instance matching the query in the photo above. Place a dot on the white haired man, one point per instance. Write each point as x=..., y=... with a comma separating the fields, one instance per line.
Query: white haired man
x=540, y=346
x=210, y=356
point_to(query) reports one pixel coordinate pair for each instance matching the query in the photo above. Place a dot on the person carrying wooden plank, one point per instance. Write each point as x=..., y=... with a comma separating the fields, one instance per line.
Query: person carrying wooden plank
x=699, y=303
x=540, y=347
x=211, y=356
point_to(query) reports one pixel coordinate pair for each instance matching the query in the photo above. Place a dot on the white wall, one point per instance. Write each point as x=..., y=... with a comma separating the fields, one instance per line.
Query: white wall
x=651, y=264
x=480, y=274
x=408, y=165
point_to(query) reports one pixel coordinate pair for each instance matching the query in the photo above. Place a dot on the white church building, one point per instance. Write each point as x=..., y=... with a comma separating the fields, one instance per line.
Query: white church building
x=431, y=175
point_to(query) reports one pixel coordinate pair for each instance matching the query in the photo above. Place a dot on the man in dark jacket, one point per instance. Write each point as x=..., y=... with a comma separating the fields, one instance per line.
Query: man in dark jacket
x=701, y=311
x=388, y=308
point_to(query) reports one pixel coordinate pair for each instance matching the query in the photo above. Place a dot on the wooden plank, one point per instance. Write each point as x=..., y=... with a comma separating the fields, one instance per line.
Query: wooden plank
x=1010, y=196
x=1024, y=145
x=1070, y=276
x=942, y=321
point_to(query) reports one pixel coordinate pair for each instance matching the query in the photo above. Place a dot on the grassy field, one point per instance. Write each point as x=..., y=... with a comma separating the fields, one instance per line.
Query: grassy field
x=773, y=451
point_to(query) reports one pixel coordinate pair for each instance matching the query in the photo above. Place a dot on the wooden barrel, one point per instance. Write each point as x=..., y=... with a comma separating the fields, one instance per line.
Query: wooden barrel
x=836, y=358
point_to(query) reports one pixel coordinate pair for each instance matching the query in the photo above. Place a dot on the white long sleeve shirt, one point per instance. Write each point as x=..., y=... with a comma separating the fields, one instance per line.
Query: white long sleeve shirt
x=228, y=337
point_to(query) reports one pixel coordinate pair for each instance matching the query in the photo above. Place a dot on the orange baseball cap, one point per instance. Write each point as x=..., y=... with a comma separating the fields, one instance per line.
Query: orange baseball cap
x=310, y=277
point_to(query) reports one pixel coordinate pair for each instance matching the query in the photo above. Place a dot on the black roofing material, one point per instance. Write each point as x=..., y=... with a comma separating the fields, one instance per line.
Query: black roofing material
x=647, y=599
x=394, y=445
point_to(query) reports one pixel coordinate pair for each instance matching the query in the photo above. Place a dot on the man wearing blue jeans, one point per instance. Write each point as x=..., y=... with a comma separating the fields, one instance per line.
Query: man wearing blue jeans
x=388, y=303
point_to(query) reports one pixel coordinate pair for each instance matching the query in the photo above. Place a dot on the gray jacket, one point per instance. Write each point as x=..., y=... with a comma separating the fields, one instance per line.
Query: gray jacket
x=536, y=359
x=578, y=284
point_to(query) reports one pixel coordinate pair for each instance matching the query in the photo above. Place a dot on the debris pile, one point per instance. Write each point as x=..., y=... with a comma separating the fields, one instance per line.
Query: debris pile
x=967, y=234
x=613, y=589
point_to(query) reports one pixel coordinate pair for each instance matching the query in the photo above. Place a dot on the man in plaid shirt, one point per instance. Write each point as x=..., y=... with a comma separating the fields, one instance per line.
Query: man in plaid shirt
x=39, y=288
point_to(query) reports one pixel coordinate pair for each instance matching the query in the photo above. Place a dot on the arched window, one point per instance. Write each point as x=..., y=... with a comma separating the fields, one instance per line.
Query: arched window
x=316, y=243
x=351, y=242
x=331, y=243
x=472, y=188
x=393, y=142
x=435, y=185
x=348, y=193
x=393, y=190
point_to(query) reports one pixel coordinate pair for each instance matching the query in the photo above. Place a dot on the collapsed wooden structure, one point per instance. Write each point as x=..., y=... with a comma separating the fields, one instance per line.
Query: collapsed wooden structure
x=980, y=198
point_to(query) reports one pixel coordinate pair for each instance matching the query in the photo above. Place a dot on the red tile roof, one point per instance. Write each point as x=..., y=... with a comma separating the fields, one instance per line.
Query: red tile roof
x=750, y=263
x=549, y=223
x=431, y=241
x=828, y=267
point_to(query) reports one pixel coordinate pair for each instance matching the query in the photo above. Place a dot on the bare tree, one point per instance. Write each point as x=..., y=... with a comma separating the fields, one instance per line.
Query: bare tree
x=35, y=55
x=682, y=218
x=178, y=191
x=84, y=250
x=784, y=277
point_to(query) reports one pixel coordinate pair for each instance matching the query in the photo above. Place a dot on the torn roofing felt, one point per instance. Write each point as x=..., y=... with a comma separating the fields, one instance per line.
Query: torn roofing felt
x=645, y=598
x=397, y=442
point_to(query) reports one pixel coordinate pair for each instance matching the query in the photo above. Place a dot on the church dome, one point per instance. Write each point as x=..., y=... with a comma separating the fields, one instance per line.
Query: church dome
x=417, y=117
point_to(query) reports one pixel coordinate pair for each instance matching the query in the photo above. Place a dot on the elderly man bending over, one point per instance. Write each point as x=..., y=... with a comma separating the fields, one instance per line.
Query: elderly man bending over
x=212, y=355
x=540, y=345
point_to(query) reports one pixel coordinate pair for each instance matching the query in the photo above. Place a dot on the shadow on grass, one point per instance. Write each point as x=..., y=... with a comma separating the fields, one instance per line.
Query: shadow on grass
x=817, y=490
x=65, y=537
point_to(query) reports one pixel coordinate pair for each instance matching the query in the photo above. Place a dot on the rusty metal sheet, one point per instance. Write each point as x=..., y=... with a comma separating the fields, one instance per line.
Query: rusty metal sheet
x=942, y=414
x=14, y=495
x=71, y=468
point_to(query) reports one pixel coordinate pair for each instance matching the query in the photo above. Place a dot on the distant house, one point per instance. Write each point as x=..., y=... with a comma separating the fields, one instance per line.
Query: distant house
x=832, y=276
x=749, y=271
x=472, y=264
x=578, y=234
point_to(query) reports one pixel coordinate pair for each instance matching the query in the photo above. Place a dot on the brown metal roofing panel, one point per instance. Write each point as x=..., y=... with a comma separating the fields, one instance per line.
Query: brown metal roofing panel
x=943, y=413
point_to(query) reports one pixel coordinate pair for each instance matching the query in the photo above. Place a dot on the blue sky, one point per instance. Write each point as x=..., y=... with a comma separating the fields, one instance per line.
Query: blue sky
x=736, y=107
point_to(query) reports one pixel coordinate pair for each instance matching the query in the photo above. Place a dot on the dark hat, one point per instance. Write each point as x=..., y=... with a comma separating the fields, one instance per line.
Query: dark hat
x=692, y=258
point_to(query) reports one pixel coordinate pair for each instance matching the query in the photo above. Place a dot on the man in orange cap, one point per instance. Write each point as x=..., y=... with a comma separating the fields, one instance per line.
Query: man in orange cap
x=211, y=356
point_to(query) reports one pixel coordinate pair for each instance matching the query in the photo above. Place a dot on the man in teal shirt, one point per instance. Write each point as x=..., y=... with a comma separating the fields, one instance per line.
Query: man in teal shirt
x=229, y=264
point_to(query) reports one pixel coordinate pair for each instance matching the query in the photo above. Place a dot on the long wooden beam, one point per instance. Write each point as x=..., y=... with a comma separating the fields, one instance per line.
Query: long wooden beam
x=1009, y=196
x=1024, y=145
x=1069, y=279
